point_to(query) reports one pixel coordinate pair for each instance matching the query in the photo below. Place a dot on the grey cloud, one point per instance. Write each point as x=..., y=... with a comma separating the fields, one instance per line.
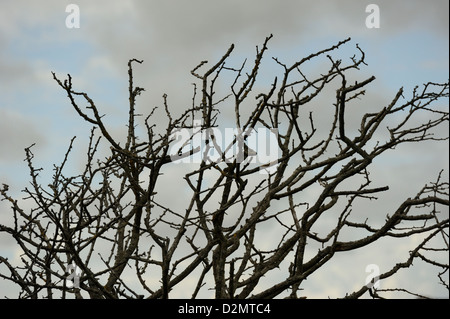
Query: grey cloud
x=17, y=132
x=173, y=37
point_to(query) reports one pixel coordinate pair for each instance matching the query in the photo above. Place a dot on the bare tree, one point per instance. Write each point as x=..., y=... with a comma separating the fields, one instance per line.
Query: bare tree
x=106, y=233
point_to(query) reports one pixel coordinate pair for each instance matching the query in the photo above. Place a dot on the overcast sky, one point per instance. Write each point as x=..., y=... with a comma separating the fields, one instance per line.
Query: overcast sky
x=172, y=37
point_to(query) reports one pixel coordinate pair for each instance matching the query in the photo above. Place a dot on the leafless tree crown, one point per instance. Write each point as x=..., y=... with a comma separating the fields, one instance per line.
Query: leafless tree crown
x=126, y=241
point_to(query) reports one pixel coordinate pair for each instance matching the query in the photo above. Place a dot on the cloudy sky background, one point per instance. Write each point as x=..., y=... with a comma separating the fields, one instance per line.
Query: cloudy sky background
x=172, y=37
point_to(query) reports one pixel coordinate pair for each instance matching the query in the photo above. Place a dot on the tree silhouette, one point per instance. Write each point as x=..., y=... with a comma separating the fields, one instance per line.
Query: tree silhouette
x=105, y=233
